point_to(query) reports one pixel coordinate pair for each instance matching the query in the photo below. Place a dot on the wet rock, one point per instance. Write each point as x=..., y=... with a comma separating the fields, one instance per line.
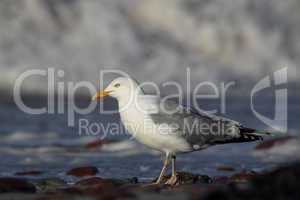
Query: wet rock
x=97, y=181
x=188, y=178
x=202, y=179
x=89, y=181
x=71, y=190
x=99, y=188
x=240, y=177
x=10, y=185
x=243, y=176
x=165, y=195
x=147, y=188
x=83, y=171
x=23, y=196
x=225, y=168
x=217, y=193
x=133, y=180
x=221, y=180
x=281, y=183
x=129, y=181
x=49, y=184
x=29, y=173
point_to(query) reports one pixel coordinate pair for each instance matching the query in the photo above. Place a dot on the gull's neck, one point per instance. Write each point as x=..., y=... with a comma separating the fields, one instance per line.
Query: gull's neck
x=129, y=99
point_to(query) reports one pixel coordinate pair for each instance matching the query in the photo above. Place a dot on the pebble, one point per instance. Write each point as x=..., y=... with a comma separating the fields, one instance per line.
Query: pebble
x=83, y=171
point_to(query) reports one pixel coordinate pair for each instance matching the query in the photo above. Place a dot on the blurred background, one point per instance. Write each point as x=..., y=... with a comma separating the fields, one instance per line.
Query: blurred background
x=152, y=40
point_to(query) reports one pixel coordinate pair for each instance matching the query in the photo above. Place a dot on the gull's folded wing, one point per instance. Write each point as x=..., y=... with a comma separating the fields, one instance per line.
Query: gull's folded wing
x=201, y=129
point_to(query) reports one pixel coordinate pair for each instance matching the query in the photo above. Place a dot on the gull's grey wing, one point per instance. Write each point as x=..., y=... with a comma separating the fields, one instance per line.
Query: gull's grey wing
x=201, y=129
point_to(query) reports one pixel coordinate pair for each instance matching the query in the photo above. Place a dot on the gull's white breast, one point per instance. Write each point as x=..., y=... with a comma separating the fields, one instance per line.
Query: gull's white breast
x=137, y=120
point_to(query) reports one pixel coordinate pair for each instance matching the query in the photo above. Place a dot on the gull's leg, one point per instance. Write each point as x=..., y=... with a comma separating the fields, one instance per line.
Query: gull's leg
x=164, y=169
x=174, y=165
x=173, y=180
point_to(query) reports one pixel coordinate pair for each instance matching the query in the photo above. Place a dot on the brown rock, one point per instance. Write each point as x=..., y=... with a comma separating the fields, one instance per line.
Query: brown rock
x=188, y=178
x=89, y=181
x=147, y=188
x=221, y=180
x=71, y=190
x=243, y=176
x=98, y=187
x=83, y=171
x=10, y=185
x=225, y=168
x=29, y=173
x=49, y=184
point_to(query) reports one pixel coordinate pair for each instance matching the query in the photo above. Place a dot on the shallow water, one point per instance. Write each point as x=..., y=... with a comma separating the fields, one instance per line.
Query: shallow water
x=46, y=143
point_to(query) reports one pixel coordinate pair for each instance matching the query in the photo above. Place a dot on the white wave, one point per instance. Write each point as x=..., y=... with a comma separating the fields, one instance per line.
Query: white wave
x=219, y=41
x=281, y=152
x=26, y=136
x=126, y=148
x=43, y=139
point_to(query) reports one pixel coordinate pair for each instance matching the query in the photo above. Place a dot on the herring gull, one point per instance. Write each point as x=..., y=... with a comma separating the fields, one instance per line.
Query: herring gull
x=169, y=127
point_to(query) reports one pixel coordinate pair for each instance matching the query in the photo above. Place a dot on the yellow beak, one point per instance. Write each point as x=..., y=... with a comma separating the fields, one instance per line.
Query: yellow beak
x=100, y=95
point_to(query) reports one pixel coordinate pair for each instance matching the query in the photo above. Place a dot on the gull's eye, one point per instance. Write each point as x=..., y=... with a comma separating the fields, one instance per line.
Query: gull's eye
x=117, y=85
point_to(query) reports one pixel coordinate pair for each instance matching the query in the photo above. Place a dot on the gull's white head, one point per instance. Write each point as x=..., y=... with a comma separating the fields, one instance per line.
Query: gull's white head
x=122, y=87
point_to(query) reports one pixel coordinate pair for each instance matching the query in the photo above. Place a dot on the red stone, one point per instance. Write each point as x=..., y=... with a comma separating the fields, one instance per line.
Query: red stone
x=29, y=173
x=83, y=171
x=98, y=187
x=97, y=143
x=225, y=168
